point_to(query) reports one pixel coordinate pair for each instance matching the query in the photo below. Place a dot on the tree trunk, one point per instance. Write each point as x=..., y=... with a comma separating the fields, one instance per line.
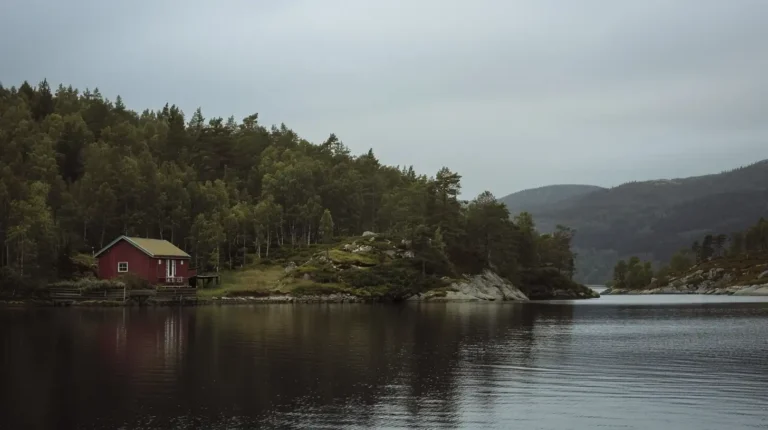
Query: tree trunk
x=269, y=240
x=245, y=250
x=229, y=253
x=21, y=265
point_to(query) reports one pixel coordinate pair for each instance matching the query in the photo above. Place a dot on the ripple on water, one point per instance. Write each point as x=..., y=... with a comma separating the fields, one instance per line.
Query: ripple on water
x=619, y=363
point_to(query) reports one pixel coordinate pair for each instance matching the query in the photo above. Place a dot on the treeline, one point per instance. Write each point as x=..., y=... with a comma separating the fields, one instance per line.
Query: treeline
x=635, y=274
x=77, y=170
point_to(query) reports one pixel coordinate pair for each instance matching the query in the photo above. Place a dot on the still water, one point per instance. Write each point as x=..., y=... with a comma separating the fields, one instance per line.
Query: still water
x=619, y=362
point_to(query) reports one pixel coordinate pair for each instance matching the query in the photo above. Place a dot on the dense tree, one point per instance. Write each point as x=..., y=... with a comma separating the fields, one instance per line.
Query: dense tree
x=632, y=274
x=77, y=170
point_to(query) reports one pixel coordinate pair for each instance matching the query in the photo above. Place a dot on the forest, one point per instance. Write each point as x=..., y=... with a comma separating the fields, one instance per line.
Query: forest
x=751, y=243
x=78, y=170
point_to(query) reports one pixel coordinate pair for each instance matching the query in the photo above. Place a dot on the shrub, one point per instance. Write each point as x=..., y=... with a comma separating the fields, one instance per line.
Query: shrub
x=134, y=282
x=317, y=271
x=540, y=283
x=84, y=266
x=88, y=284
x=345, y=258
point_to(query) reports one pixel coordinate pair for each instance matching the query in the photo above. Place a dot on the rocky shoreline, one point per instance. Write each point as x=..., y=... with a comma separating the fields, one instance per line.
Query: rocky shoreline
x=485, y=287
x=714, y=281
x=737, y=290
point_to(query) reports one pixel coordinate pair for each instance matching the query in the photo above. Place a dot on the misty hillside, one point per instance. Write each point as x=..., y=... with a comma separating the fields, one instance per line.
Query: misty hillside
x=535, y=198
x=654, y=218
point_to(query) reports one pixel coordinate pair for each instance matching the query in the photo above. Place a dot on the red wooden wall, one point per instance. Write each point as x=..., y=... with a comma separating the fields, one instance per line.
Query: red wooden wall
x=139, y=263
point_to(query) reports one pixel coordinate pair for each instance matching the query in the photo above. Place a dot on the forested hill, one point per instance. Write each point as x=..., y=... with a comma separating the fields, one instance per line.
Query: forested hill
x=77, y=170
x=535, y=198
x=654, y=219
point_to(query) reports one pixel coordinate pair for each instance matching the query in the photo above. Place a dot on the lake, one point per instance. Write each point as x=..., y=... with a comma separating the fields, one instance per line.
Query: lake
x=619, y=362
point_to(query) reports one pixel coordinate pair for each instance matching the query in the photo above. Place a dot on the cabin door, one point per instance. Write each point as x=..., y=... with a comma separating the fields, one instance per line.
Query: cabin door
x=170, y=268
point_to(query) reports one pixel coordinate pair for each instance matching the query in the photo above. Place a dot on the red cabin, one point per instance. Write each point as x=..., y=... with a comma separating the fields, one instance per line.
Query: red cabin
x=158, y=261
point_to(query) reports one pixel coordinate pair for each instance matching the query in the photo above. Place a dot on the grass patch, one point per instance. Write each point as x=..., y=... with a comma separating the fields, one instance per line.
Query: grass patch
x=256, y=281
x=352, y=259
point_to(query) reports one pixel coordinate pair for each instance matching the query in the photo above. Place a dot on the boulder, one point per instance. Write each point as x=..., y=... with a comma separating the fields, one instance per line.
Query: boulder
x=362, y=248
x=368, y=233
x=290, y=267
x=487, y=286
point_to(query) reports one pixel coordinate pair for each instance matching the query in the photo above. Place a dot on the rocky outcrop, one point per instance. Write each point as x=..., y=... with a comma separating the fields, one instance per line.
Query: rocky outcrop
x=487, y=286
x=714, y=281
x=735, y=290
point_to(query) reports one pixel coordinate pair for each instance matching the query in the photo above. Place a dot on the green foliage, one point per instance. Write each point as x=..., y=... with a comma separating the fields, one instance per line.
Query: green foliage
x=89, y=284
x=681, y=261
x=632, y=274
x=546, y=283
x=134, y=282
x=347, y=258
x=77, y=170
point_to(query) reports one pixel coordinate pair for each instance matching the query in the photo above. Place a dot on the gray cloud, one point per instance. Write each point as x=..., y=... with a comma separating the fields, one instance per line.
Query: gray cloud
x=512, y=94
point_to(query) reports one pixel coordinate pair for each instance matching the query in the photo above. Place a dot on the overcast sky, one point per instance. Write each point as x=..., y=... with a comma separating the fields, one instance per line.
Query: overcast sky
x=511, y=94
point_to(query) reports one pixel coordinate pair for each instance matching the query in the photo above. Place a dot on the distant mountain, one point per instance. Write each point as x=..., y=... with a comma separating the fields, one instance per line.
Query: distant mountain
x=652, y=219
x=535, y=198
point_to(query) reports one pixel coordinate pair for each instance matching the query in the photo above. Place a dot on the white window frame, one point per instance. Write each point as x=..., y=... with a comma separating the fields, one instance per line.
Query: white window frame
x=118, y=267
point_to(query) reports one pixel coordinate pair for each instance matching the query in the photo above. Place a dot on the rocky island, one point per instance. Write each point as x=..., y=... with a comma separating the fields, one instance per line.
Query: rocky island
x=717, y=265
x=376, y=267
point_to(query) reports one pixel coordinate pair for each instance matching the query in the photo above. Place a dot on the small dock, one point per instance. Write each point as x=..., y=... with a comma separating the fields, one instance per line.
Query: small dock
x=205, y=280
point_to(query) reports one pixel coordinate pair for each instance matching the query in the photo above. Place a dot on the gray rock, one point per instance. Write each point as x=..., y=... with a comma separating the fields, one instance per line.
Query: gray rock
x=762, y=275
x=409, y=254
x=290, y=267
x=487, y=286
x=368, y=233
x=362, y=248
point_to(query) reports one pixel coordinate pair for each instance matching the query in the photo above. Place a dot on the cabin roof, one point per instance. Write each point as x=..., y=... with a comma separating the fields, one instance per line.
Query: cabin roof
x=151, y=247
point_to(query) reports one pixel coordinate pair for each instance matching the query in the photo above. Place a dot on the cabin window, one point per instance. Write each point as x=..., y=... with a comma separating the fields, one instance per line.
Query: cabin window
x=122, y=267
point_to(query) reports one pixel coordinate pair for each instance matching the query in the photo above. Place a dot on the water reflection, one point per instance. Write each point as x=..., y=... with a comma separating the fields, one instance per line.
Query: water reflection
x=321, y=366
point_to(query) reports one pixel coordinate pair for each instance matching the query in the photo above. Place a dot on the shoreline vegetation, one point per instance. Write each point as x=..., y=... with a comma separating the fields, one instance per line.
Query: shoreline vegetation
x=718, y=265
x=263, y=207
x=338, y=273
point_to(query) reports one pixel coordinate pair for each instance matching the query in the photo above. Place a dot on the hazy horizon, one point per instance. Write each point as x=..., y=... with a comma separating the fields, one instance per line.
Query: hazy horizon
x=511, y=94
